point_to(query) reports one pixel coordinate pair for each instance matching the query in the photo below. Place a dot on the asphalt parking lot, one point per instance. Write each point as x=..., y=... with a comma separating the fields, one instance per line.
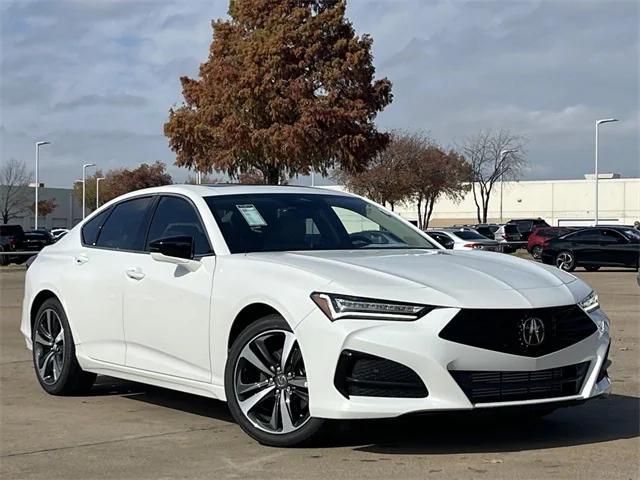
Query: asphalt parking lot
x=128, y=430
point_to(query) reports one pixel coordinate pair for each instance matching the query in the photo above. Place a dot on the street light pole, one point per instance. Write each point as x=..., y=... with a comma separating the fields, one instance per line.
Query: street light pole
x=313, y=178
x=598, y=123
x=84, y=182
x=98, y=179
x=38, y=179
x=503, y=154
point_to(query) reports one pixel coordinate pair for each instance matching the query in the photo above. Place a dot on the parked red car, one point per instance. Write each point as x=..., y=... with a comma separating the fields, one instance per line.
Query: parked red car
x=540, y=235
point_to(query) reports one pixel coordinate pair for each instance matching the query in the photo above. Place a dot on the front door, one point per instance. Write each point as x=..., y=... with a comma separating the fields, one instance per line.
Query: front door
x=617, y=249
x=166, y=306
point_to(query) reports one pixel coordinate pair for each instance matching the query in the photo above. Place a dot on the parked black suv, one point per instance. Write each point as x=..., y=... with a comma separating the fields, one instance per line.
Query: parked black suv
x=527, y=225
x=11, y=240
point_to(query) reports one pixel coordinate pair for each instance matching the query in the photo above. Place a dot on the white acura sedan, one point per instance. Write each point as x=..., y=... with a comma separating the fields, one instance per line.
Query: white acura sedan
x=271, y=298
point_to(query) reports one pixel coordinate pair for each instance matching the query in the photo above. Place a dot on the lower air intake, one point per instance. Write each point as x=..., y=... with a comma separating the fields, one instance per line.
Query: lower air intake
x=489, y=387
x=370, y=376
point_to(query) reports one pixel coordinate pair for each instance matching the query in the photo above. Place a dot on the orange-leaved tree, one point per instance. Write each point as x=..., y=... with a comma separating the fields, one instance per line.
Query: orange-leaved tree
x=288, y=87
x=123, y=180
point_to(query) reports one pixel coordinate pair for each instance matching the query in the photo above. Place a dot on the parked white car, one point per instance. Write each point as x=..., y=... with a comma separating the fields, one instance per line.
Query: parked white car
x=271, y=299
x=463, y=239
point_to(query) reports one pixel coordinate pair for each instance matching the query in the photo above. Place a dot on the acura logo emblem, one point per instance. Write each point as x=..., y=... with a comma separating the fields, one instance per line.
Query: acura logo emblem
x=532, y=331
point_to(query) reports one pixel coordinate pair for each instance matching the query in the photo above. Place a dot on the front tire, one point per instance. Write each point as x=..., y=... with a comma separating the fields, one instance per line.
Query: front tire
x=266, y=385
x=54, y=353
x=565, y=260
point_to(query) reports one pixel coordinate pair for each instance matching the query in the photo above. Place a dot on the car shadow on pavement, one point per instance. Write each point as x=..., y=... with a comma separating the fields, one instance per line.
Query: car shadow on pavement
x=162, y=397
x=615, y=418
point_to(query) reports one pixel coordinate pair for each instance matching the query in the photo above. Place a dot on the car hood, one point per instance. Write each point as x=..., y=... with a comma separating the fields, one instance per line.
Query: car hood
x=448, y=278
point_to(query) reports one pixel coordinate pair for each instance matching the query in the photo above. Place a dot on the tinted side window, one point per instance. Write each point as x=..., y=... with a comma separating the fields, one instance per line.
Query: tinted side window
x=175, y=217
x=441, y=238
x=611, y=236
x=6, y=230
x=524, y=225
x=126, y=226
x=91, y=229
x=584, y=235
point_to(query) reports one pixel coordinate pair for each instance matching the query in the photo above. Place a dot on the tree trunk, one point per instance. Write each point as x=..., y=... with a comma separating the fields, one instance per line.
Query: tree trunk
x=475, y=200
x=271, y=175
x=485, y=207
x=420, y=212
x=428, y=210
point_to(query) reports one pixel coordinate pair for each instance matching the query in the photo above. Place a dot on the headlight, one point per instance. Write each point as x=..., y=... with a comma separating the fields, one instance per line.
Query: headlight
x=337, y=307
x=590, y=303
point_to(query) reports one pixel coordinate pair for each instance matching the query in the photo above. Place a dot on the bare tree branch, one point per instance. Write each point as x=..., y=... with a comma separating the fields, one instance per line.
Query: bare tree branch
x=14, y=197
x=484, y=152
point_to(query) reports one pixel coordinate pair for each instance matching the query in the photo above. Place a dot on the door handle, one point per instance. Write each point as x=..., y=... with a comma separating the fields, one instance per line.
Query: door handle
x=81, y=259
x=135, y=273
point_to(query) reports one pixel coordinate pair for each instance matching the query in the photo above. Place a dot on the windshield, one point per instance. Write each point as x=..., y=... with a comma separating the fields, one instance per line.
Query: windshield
x=285, y=221
x=469, y=235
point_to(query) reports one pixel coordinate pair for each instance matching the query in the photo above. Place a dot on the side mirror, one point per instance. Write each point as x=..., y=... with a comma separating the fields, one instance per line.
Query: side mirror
x=177, y=250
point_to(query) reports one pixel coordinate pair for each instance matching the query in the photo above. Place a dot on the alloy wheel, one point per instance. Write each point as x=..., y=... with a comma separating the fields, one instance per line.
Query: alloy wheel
x=49, y=346
x=564, y=261
x=270, y=383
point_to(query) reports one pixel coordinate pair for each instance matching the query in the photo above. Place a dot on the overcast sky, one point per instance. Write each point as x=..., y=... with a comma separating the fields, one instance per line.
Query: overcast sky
x=97, y=78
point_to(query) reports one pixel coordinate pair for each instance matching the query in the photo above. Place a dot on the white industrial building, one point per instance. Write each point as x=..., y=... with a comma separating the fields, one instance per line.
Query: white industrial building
x=559, y=202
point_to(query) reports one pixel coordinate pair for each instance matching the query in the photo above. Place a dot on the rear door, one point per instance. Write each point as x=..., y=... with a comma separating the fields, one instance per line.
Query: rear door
x=586, y=245
x=525, y=227
x=110, y=241
x=166, y=306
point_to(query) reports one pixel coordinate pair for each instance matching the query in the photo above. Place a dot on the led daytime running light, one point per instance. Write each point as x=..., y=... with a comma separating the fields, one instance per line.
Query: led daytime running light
x=336, y=307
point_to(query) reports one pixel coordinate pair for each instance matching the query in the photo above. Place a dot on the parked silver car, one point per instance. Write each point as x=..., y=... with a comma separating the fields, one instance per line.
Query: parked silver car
x=463, y=239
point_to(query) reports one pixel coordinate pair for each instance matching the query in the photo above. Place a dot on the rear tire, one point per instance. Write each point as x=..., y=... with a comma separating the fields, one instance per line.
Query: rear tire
x=536, y=252
x=277, y=414
x=565, y=260
x=4, y=259
x=54, y=353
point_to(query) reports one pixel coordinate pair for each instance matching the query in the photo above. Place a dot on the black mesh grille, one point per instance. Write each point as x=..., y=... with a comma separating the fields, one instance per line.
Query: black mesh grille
x=503, y=330
x=487, y=387
x=370, y=376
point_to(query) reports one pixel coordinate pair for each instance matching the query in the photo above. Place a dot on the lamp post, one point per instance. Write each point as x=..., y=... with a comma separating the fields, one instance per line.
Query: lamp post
x=38, y=144
x=598, y=123
x=98, y=179
x=313, y=178
x=503, y=154
x=84, y=182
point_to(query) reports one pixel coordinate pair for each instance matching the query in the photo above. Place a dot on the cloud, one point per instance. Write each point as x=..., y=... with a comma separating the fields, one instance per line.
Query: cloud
x=115, y=100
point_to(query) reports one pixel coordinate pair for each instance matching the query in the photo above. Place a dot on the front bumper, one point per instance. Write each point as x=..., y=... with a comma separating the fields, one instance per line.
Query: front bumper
x=417, y=346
